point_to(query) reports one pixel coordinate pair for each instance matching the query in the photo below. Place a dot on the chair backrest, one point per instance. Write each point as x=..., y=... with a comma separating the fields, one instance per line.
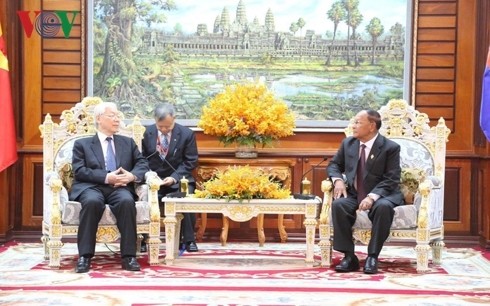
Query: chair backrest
x=77, y=122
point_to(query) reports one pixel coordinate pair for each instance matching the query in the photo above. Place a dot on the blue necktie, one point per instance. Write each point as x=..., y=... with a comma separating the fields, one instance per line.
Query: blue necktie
x=110, y=158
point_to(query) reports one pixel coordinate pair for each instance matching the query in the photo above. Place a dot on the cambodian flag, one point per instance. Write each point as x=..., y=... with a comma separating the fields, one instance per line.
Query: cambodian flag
x=485, y=100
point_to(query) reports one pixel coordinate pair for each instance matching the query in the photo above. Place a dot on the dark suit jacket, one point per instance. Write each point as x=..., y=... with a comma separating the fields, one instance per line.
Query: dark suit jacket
x=182, y=155
x=383, y=170
x=89, y=164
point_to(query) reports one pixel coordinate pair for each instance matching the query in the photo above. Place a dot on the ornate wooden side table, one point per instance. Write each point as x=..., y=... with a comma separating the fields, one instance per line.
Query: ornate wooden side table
x=240, y=212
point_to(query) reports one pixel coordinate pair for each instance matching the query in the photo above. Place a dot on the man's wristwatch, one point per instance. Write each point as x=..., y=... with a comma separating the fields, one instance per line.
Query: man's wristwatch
x=371, y=198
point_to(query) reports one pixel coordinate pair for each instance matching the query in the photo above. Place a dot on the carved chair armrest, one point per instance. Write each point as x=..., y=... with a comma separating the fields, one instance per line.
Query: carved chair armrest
x=430, y=212
x=327, y=189
x=153, y=183
x=55, y=190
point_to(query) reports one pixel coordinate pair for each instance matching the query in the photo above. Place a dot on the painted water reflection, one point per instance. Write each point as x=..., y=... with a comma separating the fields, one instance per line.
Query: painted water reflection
x=334, y=85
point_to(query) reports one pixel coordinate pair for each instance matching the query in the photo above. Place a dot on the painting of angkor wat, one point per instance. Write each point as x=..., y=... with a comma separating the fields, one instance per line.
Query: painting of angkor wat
x=326, y=59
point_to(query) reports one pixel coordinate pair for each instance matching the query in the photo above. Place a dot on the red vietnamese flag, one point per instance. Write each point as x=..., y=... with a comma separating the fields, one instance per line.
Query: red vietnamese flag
x=8, y=152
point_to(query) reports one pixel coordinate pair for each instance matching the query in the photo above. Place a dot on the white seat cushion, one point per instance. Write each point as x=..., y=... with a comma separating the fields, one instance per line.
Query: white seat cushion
x=71, y=212
x=405, y=218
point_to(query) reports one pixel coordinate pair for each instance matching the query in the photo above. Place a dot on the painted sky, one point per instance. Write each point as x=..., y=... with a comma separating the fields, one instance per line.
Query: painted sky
x=190, y=13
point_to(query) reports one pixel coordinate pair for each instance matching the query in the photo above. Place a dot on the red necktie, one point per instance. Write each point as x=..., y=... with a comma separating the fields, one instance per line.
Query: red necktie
x=361, y=166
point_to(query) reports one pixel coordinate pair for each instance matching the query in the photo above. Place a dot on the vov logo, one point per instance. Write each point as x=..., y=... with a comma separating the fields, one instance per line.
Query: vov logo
x=47, y=23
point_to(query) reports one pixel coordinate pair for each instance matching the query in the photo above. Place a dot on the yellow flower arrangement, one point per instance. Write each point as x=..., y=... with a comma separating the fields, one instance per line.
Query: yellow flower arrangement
x=247, y=114
x=240, y=183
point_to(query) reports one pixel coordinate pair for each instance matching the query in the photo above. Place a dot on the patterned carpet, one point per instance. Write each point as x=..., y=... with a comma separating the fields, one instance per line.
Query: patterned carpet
x=241, y=274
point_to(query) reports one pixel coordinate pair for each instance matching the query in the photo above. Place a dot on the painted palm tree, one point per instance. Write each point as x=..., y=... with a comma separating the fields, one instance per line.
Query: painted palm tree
x=375, y=30
x=293, y=28
x=355, y=21
x=336, y=14
x=350, y=6
x=398, y=35
x=301, y=23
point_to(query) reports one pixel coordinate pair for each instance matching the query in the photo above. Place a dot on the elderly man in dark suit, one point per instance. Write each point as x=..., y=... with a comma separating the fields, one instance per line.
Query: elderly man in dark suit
x=105, y=167
x=171, y=150
x=371, y=165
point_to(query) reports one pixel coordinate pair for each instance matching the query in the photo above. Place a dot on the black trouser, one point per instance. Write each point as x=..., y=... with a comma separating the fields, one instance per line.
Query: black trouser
x=344, y=213
x=122, y=205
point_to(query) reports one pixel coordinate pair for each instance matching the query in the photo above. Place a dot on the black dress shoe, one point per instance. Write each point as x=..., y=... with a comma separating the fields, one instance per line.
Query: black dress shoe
x=348, y=264
x=130, y=264
x=83, y=265
x=191, y=246
x=371, y=265
x=144, y=247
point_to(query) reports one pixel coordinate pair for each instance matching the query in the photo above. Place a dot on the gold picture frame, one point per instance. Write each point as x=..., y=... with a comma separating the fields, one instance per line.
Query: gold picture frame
x=314, y=112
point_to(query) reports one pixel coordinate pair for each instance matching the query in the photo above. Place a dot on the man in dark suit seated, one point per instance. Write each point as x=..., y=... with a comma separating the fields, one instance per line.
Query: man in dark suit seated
x=171, y=150
x=371, y=165
x=105, y=167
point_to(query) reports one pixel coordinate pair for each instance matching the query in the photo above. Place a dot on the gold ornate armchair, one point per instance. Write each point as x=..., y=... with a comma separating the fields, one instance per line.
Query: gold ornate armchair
x=423, y=151
x=61, y=216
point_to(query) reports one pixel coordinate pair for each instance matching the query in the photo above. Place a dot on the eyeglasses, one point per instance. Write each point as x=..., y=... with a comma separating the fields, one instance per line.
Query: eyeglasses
x=112, y=116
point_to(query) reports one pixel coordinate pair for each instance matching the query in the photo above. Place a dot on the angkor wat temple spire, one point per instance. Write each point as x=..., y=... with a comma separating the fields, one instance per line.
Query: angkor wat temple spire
x=269, y=21
x=241, y=13
x=225, y=20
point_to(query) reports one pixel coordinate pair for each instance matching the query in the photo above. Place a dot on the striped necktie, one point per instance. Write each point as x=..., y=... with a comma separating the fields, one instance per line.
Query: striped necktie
x=165, y=144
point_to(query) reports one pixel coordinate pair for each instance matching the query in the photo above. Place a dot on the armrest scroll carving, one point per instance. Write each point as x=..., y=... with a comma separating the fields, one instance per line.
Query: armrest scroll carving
x=327, y=188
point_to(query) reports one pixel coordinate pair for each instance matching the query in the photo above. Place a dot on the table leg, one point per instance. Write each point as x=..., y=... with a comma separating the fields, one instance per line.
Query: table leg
x=177, y=236
x=170, y=237
x=202, y=227
x=310, y=225
x=260, y=229
x=224, y=230
x=282, y=230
